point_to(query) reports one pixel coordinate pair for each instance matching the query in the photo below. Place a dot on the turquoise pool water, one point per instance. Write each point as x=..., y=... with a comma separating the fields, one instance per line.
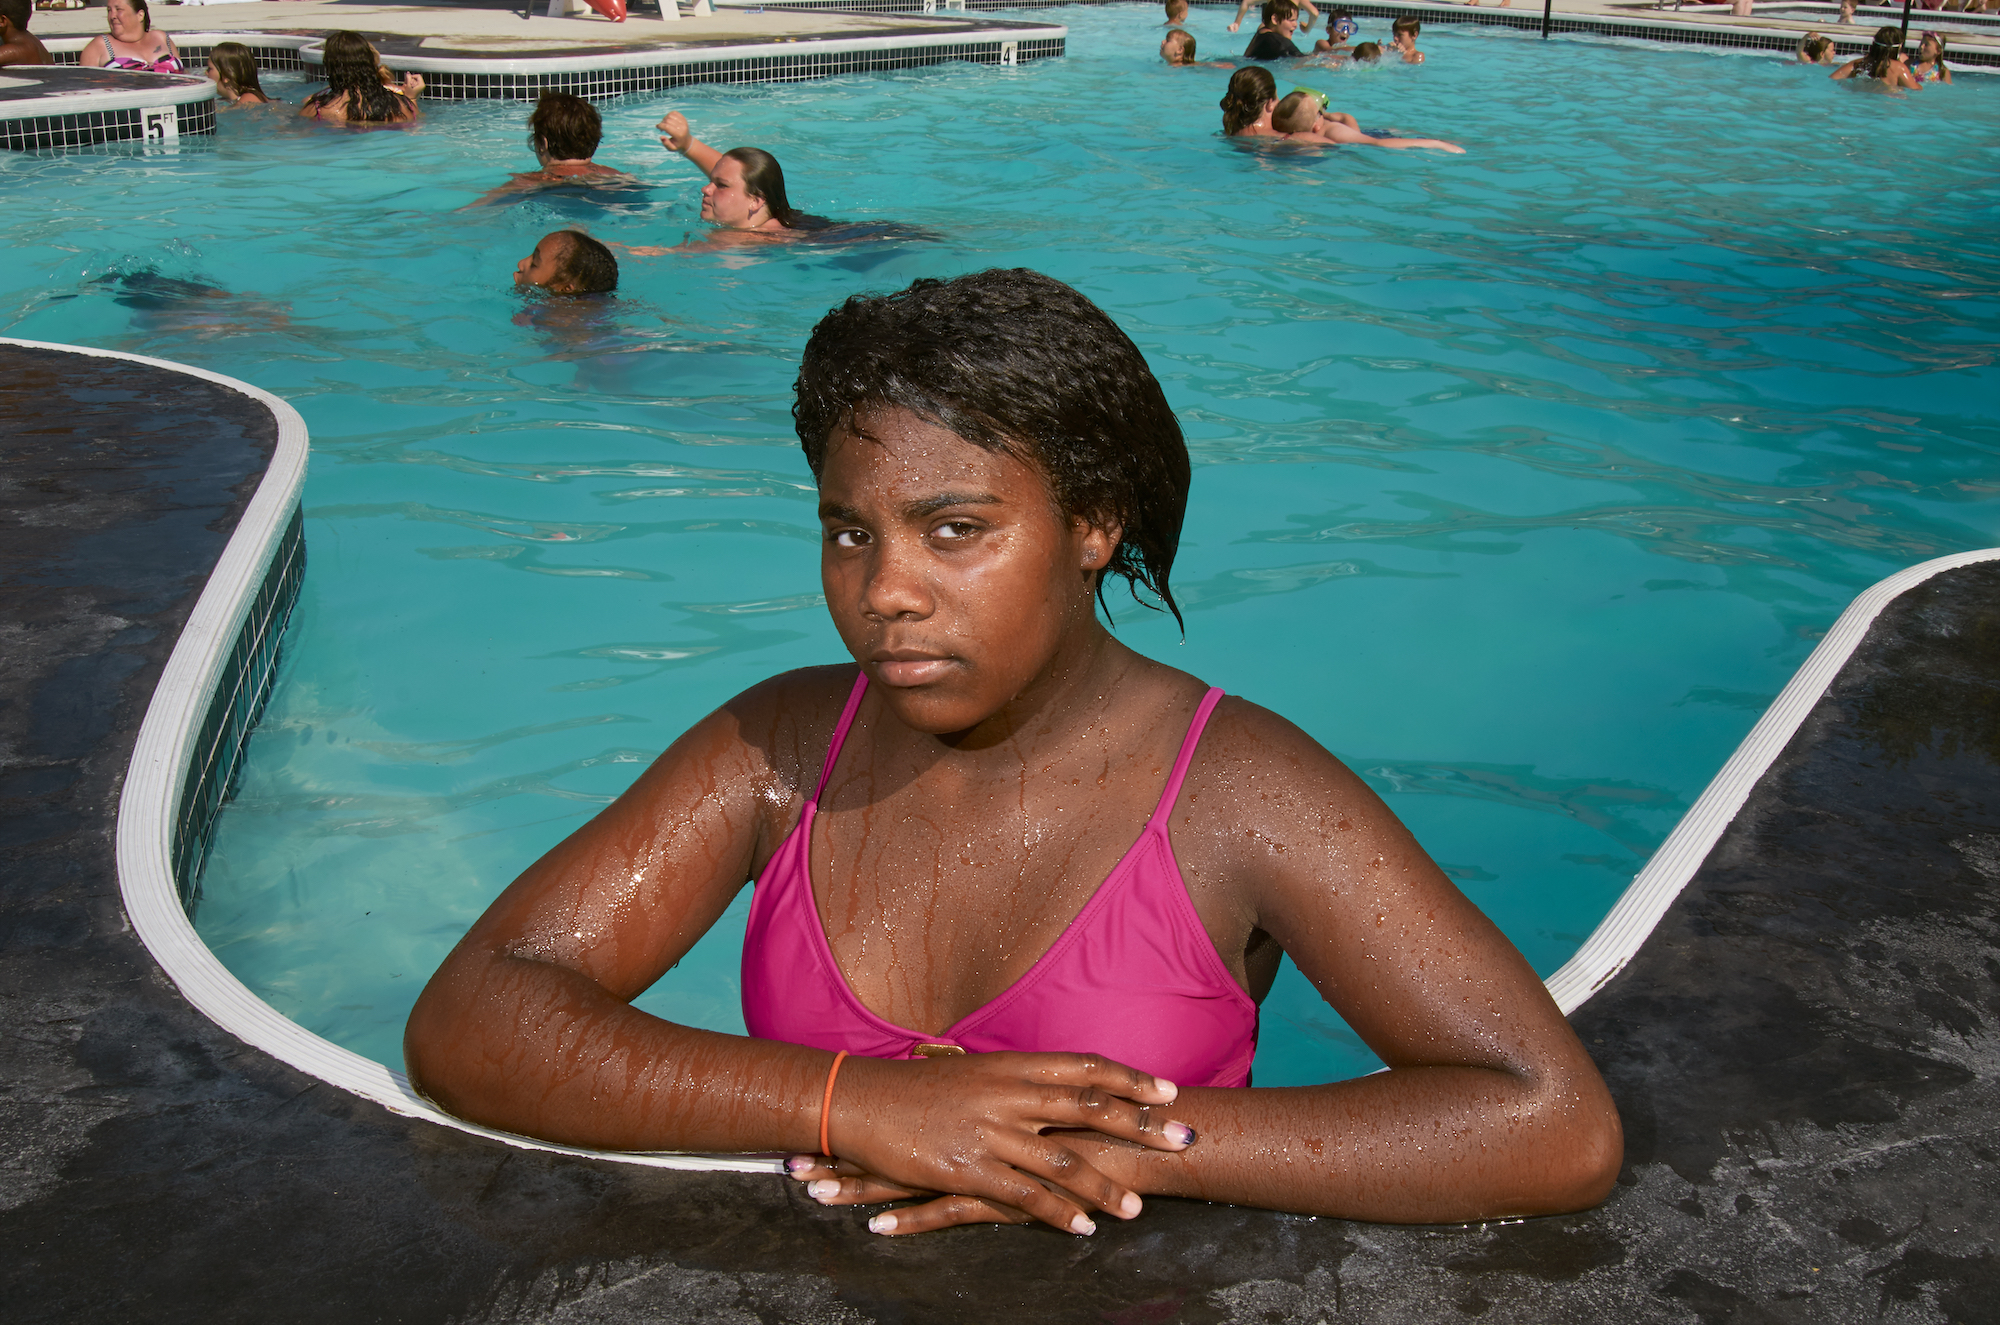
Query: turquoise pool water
x=1524, y=478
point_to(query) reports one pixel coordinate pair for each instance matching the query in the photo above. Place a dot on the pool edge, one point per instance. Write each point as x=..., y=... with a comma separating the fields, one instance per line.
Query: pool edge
x=182, y=703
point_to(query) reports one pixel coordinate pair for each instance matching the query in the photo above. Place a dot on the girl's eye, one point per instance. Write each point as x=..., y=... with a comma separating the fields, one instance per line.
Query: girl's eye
x=955, y=529
x=848, y=537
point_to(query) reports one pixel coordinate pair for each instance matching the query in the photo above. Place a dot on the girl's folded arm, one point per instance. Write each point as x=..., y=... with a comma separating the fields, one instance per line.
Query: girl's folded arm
x=1490, y=1105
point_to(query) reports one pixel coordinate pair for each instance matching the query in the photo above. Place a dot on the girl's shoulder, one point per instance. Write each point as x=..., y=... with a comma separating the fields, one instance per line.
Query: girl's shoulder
x=786, y=723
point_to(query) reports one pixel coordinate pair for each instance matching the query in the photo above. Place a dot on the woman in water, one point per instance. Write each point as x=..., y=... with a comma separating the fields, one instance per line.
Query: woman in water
x=1248, y=102
x=1019, y=889
x=745, y=194
x=1929, y=66
x=1883, y=63
x=356, y=90
x=233, y=70
x=131, y=42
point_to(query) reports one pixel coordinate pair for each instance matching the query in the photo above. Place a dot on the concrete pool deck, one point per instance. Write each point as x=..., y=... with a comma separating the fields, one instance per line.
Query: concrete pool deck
x=1803, y=1052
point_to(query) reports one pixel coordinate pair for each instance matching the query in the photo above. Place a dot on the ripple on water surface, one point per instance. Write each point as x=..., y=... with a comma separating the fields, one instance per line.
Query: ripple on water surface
x=1524, y=478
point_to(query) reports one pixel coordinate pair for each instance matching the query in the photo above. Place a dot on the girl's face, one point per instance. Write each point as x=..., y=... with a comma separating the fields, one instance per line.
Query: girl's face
x=726, y=201
x=124, y=21
x=949, y=573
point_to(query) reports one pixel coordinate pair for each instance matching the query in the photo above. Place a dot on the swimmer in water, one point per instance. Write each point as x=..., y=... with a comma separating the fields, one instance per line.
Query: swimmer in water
x=233, y=70
x=1177, y=11
x=1883, y=63
x=1367, y=52
x=1243, y=7
x=1403, y=37
x=1340, y=25
x=358, y=89
x=1177, y=49
x=564, y=131
x=568, y=262
x=1929, y=66
x=1302, y=117
x=744, y=197
x=1019, y=889
x=1814, y=49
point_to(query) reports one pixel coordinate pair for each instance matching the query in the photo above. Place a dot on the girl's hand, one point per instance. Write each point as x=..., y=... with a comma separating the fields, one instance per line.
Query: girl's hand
x=836, y=1182
x=675, y=131
x=412, y=84
x=975, y=1128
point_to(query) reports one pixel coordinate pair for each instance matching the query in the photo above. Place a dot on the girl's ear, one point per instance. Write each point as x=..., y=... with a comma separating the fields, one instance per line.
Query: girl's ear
x=1099, y=542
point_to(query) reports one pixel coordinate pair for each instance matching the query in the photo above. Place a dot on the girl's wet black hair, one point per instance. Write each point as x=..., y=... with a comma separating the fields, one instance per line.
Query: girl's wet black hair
x=1249, y=89
x=1018, y=363
x=351, y=68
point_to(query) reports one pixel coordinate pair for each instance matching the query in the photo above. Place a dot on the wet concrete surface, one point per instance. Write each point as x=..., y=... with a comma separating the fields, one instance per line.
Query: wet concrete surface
x=1802, y=1052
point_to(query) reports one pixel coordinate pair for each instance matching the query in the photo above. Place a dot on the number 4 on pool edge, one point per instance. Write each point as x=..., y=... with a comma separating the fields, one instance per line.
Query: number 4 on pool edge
x=161, y=124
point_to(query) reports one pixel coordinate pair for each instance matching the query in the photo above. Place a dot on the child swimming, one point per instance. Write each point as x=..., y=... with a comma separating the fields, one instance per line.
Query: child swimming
x=1367, y=52
x=1018, y=889
x=1177, y=12
x=1883, y=63
x=1403, y=37
x=357, y=90
x=1929, y=66
x=1177, y=49
x=1273, y=41
x=1302, y=117
x=233, y=70
x=1243, y=7
x=1814, y=49
x=568, y=262
x=564, y=131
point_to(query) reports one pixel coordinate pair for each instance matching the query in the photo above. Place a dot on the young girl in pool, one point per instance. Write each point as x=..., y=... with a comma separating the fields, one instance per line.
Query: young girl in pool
x=1019, y=889
x=358, y=90
x=1883, y=63
x=233, y=70
x=1302, y=117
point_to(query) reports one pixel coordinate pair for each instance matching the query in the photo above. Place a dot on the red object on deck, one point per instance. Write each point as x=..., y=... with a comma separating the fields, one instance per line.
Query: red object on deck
x=611, y=9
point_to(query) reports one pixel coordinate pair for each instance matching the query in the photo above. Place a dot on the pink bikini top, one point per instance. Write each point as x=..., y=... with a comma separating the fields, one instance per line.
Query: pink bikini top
x=1134, y=977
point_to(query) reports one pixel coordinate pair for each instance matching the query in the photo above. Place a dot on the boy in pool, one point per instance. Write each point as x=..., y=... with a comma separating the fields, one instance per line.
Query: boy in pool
x=568, y=262
x=1302, y=117
x=564, y=131
x=1019, y=889
x=1403, y=36
x=17, y=44
x=1340, y=25
x=1177, y=49
x=1367, y=52
x=1177, y=11
x=1273, y=41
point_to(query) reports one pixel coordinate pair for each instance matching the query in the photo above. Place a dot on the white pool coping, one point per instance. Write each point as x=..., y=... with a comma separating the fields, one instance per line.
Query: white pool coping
x=60, y=102
x=154, y=781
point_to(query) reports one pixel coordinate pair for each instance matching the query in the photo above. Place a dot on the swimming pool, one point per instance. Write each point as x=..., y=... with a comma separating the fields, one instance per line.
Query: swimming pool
x=1524, y=478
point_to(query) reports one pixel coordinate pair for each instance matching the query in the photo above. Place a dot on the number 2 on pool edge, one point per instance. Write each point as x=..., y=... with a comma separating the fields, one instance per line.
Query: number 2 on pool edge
x=161, y=124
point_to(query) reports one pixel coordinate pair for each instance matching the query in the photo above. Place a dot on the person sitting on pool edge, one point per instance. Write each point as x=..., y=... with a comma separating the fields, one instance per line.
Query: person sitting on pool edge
x=233, y=70
x=1243, y=7
x=568, y=262
x=1302, y=117
x=17, y=44
x=745, y=194
x=356, y=91
x=130, y=42
x=1340, y=25
x=1018, y=888
x=1403, y=36
x=564, y=131
x=1882, y=63
x=1273, y=41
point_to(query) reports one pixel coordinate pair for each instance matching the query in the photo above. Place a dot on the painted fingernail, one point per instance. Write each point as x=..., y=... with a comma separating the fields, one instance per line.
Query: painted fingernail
x=1131, y=1205
x=882, y=1224
x=821, y=1189
x=1179, y=1133
x=1082, y=1225
x=799, y=1164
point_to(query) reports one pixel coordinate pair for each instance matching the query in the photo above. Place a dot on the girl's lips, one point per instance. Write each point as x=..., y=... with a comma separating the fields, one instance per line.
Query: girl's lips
x=911, y=671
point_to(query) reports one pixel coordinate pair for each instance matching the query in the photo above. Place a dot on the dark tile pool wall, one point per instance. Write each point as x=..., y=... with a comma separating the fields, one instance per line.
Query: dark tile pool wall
x=240, y=694
x=753, y=69
x=98, y=126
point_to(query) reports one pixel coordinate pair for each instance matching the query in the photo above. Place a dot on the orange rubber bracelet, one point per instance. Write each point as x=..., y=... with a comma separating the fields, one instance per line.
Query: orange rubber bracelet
x=826, y=1103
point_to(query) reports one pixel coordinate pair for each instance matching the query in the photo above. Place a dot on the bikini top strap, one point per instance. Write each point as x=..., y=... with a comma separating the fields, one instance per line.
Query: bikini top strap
x=1186, y=757
x=840, y=733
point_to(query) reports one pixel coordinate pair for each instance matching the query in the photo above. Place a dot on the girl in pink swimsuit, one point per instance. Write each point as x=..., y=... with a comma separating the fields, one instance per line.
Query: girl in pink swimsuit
x=1018, y=889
